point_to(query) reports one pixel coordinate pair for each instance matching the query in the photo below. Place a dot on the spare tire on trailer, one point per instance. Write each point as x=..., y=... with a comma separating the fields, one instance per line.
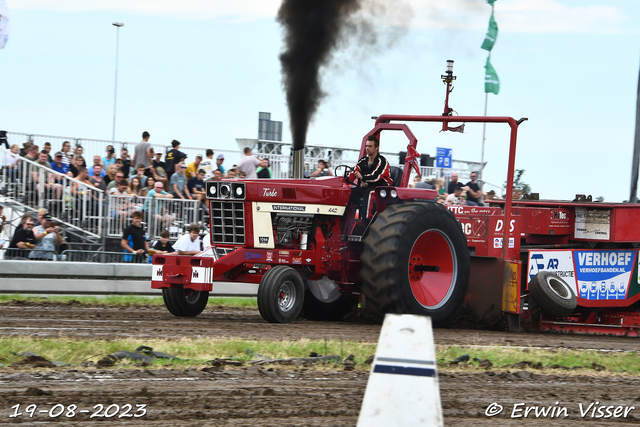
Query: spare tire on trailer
x=553, y=294
x=415, y=261
x=184, y=302
x=324, y=301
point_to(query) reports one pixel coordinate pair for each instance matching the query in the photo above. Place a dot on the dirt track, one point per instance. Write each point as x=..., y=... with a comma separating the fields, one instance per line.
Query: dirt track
x=256, y=396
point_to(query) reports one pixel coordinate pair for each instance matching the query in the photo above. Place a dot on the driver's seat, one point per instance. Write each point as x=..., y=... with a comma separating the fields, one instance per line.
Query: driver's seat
x=396, y=175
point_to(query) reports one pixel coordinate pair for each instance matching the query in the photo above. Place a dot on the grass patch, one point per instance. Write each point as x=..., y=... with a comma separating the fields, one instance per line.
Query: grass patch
x=501, y=358
x=197, y=351
x=191, y=351
x=122, y=300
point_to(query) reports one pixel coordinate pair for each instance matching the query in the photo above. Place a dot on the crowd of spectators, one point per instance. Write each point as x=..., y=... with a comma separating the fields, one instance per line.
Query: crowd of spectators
x=132, y=178
x=457, y=193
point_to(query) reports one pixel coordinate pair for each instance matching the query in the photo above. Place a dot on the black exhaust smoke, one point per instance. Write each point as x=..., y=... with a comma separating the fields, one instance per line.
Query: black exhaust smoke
x=312, y=32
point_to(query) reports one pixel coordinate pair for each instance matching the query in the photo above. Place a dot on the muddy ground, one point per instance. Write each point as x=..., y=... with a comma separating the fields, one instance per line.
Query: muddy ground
x=258, y=396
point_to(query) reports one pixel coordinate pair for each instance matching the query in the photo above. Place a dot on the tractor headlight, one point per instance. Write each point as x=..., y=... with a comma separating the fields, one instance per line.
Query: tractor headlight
x=383, y=193
x=225, y=191
x=394, y=193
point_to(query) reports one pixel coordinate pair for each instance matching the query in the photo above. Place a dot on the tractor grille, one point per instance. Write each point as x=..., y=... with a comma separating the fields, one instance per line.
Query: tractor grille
x=228, y=222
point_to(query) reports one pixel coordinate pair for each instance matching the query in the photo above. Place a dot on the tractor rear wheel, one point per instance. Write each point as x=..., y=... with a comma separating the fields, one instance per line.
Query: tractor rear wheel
x=553, y=294
x=280, y=294
x=183, y=302
x=415, y=261
x=324, y=301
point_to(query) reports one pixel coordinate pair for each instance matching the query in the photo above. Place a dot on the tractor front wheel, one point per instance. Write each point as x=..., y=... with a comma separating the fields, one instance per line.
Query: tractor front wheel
x=280, y=294
x=183, y=302
x=415, y=261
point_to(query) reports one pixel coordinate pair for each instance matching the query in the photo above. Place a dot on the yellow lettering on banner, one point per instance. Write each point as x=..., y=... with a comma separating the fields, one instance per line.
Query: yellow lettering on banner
x=511, y=287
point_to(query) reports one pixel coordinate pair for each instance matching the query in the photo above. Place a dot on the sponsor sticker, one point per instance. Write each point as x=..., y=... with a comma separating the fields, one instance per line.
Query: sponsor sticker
x=252, y=255
x=296, y=260
x=269, y=256
x=308, y=260
x=497, y=242
x=284, y=253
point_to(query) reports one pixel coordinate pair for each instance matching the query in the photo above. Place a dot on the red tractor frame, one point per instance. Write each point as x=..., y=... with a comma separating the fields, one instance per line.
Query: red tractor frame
x=546, y=265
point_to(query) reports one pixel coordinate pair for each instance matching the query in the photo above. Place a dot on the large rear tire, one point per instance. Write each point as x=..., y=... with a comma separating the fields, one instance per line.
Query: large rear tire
x=280, y=294
x=324, y=301
x=415, y=261
x=184, y=303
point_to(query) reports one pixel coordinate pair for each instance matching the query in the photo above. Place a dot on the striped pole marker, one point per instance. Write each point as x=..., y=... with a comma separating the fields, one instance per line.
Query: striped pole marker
x=403, y=384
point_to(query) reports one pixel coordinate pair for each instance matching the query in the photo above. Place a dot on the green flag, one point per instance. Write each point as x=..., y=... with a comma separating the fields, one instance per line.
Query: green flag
x=491, y=81
x=492, y=34
x=491, y=2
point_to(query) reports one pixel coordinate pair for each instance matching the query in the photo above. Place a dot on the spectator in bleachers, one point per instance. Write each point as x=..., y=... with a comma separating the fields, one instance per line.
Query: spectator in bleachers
x=140, y=175
x=264, y=171
x=189, y=244
x=150, y=183
x=173, y=158
x=163, y=246
x=47, y=148
x=48, y=237
x=25, y=148
x=207, y=164
x=83, y=176
x=126, y=162
x=219, y=162
x=12, y=162
x=41, y=212
x=96, y=178
x=192, y=168
x=217, y=175
x=196, y=187
x=121, y=206
x=58, y=165
x=116, y=181
x=248, y=164
x=79, y=151
x=179, y=188
x=160, y=215
x=52, y=189
x=32, y=153
x=97, y=161
x=75, y=165
x=135, y=188
x=133, y=236
x=23, y=238
x=67, y=154
x=110, y=158
x=142, y=154
x=157, y=170
x=110, y=176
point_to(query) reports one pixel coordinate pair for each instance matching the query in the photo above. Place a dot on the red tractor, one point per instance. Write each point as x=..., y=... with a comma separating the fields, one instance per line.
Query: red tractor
x=315, y=255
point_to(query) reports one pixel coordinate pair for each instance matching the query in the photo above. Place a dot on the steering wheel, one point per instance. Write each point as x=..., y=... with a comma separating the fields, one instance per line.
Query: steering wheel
x=347, y=171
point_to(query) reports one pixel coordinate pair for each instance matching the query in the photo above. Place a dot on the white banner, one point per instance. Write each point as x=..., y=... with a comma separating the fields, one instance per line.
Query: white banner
x=4, y=23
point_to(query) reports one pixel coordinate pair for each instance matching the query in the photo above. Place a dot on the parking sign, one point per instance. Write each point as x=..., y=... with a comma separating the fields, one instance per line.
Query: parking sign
x=443, y=157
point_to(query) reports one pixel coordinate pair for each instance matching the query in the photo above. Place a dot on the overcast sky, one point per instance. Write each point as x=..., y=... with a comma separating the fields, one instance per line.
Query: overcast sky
x=200, y=71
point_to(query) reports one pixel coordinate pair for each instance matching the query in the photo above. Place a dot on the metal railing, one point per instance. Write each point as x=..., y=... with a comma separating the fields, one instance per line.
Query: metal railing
x=28, y=254
x=103, y=257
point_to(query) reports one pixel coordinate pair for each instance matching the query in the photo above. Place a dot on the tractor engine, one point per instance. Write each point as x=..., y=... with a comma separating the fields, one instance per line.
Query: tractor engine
x=292, y=229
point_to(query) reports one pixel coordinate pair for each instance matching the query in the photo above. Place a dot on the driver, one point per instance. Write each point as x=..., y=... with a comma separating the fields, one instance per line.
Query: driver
x=372, y=171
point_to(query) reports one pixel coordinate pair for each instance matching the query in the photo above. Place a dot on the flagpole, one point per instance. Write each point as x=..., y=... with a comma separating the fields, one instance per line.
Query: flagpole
x=484, y=127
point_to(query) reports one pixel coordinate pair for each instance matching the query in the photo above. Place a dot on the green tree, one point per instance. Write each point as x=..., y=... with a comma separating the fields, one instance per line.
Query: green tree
x=519, y=184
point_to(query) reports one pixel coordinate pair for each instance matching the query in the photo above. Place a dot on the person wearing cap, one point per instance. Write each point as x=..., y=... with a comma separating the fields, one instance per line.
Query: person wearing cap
x=192, y=168
x=59, y=166
x=158, y=169
x=219, y=162
x=47, y=237
x=179, y=187
x=207, y=164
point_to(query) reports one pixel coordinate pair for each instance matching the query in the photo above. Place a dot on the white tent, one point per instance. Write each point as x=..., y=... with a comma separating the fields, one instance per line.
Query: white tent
x=4, y=23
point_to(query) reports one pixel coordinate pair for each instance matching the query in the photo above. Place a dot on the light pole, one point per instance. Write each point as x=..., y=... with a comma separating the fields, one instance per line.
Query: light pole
x=115, y=89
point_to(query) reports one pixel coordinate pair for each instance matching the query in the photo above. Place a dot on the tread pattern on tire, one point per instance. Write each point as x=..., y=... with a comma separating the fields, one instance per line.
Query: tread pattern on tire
x=267, y=294
x=384, y=271
x=177, y=304
x=547, y=299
